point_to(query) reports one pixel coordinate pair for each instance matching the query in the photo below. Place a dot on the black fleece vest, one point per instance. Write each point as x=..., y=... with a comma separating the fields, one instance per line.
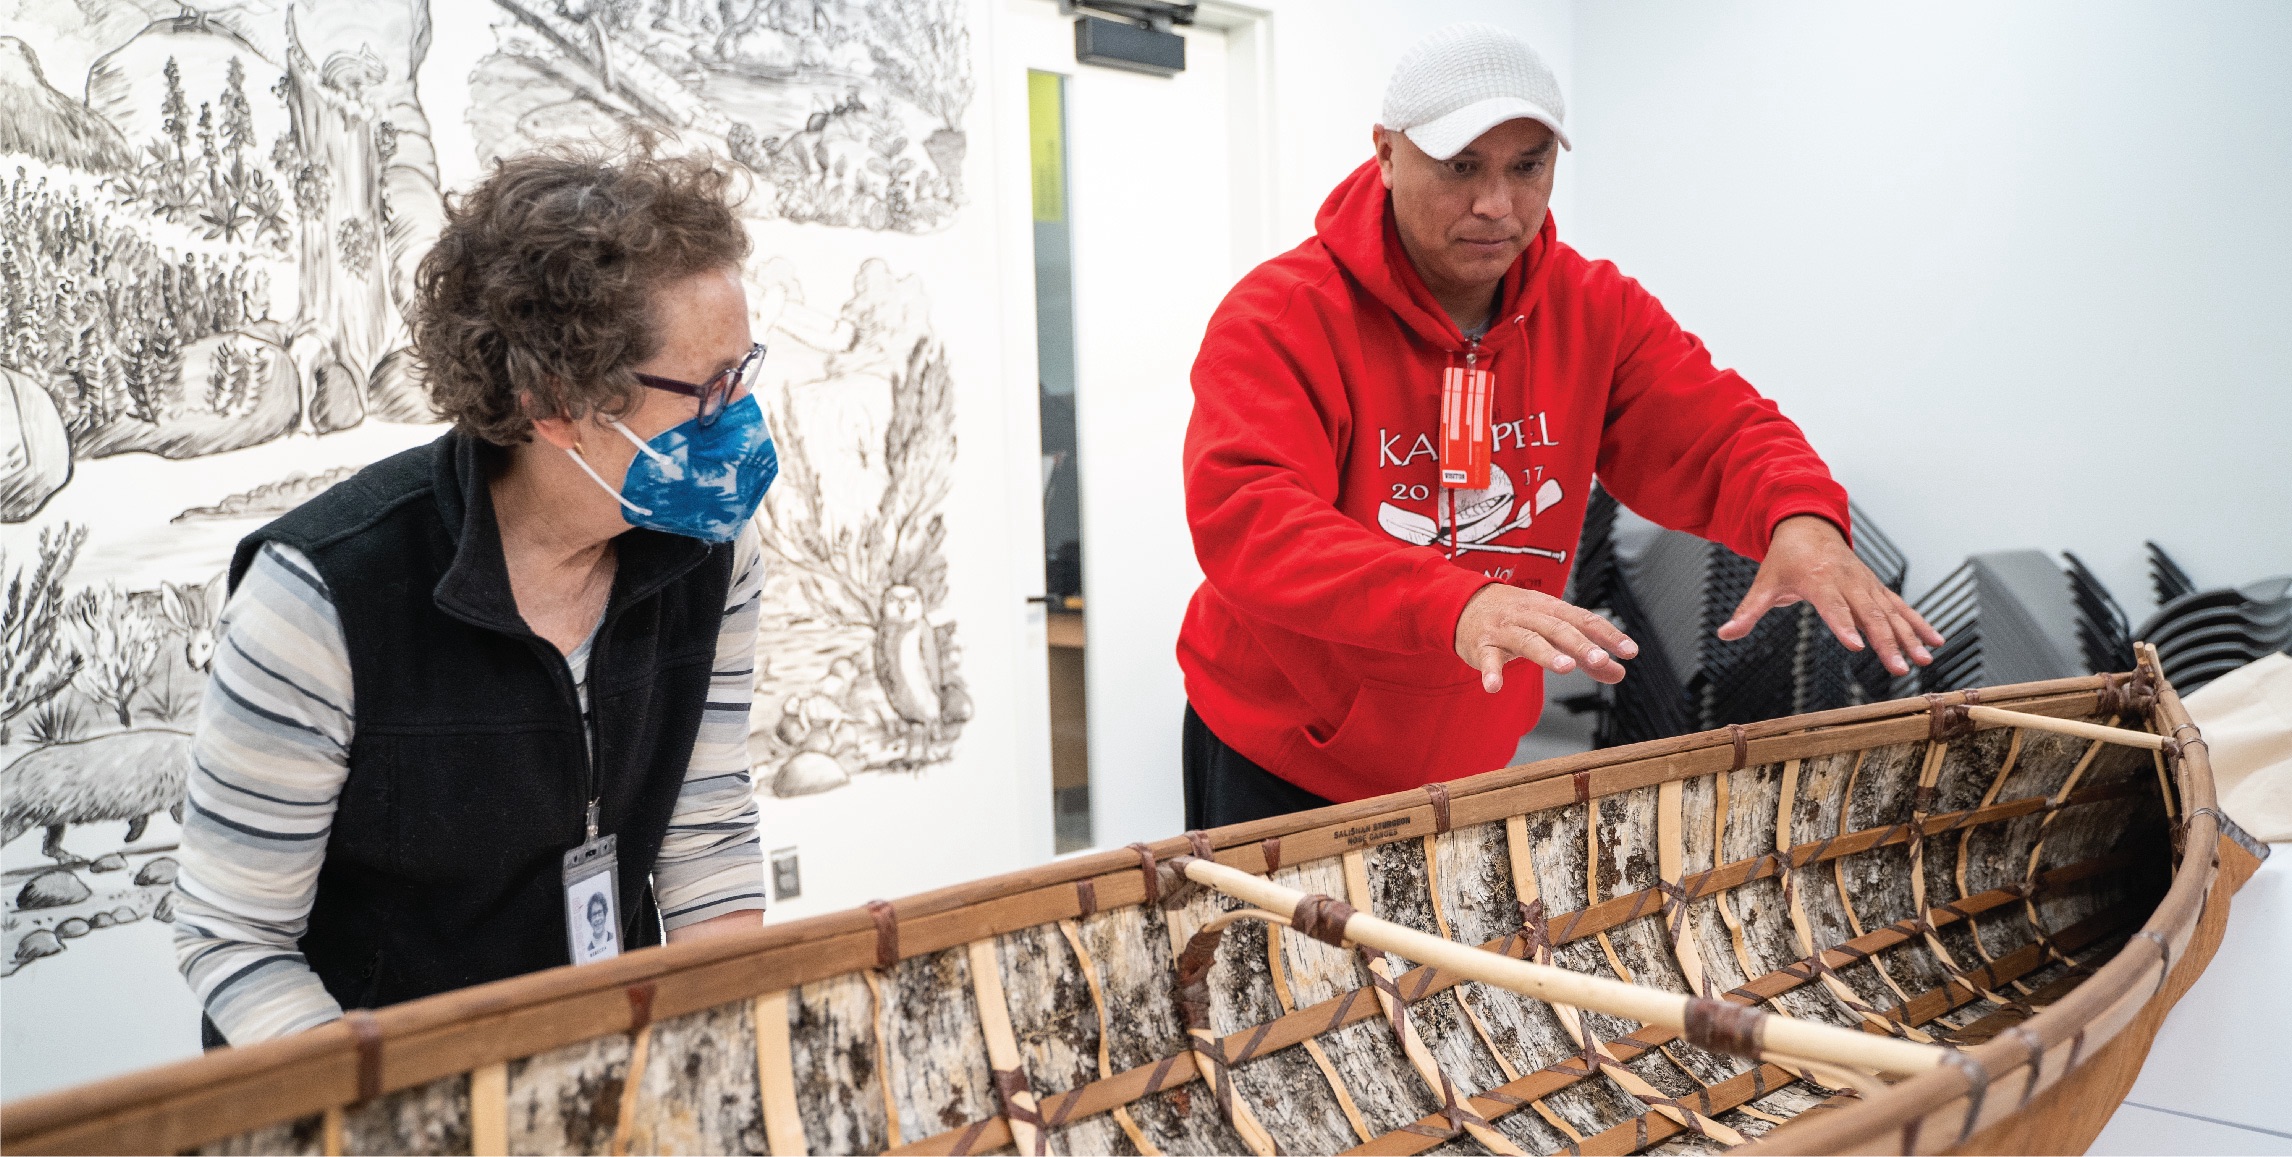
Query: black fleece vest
x=469, y=769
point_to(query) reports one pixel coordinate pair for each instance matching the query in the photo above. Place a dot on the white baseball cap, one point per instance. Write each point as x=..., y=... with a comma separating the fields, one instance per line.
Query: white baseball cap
x=1466, y=79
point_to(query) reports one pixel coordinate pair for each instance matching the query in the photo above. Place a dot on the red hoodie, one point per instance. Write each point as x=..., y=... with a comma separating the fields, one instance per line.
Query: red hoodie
x=1321, y=644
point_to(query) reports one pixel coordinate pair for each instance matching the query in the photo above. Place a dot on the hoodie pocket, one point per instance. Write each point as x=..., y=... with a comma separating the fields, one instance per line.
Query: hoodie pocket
x=1394, y=735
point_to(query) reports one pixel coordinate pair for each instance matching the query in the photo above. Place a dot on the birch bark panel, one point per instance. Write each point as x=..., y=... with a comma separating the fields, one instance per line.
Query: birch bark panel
x=1052, y=1015
x=1628, y=862
x=1997, y=855
x=1938, y=867
x=303, y=1137
x=1815, y=816
x=699, y=1091
x=2118, y=765
x=1285, y=1089
x=939, y=1075
x=568, y=1100
x=426, y=1119
x=1316, y=971
x=1478, y=895
x=1475, y=879
x=1385, y=1087
x=1131, y=946
x=1399, y=887
x=1766, y=941
x=1969, y=766
x=2096, y=829
x=1056, y=1024
x=833, y=1048
x=1559, y=849
x=1700, y=852
x=1877, y=882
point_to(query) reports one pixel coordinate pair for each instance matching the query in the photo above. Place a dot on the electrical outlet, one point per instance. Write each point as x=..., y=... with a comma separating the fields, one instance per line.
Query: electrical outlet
x=787, y=877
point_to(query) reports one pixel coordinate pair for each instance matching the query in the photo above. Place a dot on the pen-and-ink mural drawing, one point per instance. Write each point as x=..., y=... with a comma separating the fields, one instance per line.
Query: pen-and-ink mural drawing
x=210, y=215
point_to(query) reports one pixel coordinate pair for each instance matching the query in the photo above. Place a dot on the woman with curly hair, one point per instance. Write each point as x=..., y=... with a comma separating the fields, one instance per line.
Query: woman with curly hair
x=482, y=709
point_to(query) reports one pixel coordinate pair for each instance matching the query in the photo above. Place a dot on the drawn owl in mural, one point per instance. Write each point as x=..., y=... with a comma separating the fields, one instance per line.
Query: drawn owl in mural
x=908, y=664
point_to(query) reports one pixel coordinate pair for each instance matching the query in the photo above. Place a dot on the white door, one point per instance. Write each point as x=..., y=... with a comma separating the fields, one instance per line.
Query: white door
x=1151, y=206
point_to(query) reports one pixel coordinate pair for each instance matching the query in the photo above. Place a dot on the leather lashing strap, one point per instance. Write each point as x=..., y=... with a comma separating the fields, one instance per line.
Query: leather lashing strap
x=2029, y=1040
x=1322, y=917
x=1724, y=1026
x=1535, y=933
x=1086, y=896
x=1272, y=847
x=1146, y=871
x=640, y=1006
x=1742, y=746
x=2133, y=696
x=1200, y=842
x=2230, y=828
x=368, y=1035
x=1194, y=976
x=1977, y=1086
x=1947, y=721
x=2164, y=954
x=1438, y=794
x=1010, y=1085
x=1583, y=787
x=886, y=933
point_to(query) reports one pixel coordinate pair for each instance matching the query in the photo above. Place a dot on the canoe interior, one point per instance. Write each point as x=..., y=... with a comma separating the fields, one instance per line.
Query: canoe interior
x=1940, y=890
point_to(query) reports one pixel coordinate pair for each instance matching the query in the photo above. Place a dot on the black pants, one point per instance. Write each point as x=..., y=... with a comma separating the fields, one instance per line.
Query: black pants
x=1224, y=787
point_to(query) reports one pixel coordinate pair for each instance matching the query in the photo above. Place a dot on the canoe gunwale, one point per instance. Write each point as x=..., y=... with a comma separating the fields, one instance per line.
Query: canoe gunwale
x=199, y=1100
x=1953, y=1109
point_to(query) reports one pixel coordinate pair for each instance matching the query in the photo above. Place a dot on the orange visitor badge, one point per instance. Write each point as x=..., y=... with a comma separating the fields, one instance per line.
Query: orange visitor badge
x=1465, y=395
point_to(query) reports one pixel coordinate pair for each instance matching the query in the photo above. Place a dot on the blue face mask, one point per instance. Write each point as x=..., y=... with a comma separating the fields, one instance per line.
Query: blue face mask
x=702, y=482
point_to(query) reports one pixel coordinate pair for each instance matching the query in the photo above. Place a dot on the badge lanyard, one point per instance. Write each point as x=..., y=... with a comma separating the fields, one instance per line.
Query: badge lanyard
x=1467, y=393
x=592, y=877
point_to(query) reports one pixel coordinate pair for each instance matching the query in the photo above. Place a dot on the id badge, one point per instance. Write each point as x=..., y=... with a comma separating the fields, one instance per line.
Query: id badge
x=1466, y=393
x=593, y=901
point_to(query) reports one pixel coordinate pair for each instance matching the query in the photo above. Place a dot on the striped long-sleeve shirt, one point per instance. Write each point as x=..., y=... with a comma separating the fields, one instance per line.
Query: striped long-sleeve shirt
x=272, y=750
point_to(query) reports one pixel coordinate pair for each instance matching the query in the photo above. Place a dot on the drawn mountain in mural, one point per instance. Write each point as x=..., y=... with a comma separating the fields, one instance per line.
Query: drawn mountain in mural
x=38, y=121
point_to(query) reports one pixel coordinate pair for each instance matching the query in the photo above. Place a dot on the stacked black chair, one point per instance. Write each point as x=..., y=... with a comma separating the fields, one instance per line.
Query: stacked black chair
x=2015, y=616
x=1670, y=592
x=2201, y=635
x=1649, y=703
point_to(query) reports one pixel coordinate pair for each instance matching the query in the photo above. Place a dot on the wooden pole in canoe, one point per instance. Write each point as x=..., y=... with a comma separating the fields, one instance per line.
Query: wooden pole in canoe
x=1747, y=1030
x=2077, y=727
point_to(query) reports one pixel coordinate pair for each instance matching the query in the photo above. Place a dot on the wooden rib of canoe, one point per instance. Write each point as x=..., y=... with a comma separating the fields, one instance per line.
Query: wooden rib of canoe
x=1943, y=924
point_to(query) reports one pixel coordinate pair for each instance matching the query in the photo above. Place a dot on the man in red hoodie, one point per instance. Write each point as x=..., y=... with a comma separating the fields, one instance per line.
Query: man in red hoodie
x=1395, y=428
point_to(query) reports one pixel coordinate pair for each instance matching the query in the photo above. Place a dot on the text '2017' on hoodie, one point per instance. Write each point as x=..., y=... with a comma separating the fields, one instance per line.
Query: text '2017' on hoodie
x=1321, y=644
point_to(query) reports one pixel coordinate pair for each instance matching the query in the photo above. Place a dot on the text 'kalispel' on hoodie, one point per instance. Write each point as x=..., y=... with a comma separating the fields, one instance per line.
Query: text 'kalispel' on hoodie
x=1321, y=644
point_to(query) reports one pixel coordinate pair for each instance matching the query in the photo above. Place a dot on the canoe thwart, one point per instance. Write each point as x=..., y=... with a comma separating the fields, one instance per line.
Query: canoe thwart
x=1999, y=716
x=1821, y=1043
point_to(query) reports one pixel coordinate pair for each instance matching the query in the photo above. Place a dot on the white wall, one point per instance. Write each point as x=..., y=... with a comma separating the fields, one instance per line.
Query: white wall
x=2024, y=272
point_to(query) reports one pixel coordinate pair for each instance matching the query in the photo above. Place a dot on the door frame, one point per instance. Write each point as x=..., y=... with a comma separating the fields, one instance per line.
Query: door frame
x=1249, y=134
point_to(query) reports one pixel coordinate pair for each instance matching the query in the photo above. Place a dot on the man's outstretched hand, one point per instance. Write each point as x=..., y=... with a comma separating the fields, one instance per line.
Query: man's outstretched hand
x=1809, y=561
x=1503, y=623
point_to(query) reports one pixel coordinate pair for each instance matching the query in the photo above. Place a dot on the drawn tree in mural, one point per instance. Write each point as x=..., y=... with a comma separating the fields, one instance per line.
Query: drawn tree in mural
x=846, y=571
x=32, y=667
x=119, y=646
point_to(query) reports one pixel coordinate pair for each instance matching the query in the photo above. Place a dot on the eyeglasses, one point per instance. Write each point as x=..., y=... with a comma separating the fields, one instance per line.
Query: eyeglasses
x=716, y=393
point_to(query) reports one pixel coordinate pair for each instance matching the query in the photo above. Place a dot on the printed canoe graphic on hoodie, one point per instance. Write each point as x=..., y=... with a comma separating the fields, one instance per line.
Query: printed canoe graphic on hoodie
x=1463, y=521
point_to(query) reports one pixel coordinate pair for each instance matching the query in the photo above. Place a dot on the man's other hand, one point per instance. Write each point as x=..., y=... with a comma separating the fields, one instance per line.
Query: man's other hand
x=1809, y=561
x=1504, y=623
